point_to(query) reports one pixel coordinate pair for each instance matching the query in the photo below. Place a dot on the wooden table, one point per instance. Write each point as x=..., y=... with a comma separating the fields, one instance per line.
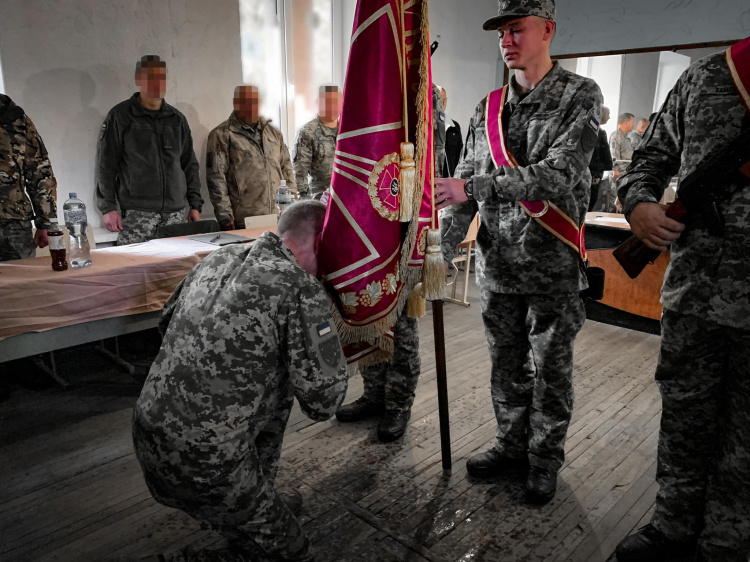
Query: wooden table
x=631, y=303
x=122, y=292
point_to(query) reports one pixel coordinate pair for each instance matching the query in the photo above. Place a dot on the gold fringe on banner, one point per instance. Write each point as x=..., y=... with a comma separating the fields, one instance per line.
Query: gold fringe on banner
x=408, y=188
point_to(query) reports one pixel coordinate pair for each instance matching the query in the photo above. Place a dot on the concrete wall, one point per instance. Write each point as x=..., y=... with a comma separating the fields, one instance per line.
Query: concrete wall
x=67, y=62
x=639, y=75
x=590, y=26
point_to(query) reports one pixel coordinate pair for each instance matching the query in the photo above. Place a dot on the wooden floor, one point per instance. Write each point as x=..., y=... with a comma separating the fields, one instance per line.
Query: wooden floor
x=72, y=490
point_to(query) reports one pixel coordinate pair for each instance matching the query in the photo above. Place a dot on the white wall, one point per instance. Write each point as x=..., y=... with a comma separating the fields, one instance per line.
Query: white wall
x=465, y=64
x=590, y=26
x=639, y=75
x=67, y=62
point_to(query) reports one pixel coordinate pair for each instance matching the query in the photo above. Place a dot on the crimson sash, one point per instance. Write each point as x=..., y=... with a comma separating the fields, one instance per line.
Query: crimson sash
x=548, y=215
x=738, y=61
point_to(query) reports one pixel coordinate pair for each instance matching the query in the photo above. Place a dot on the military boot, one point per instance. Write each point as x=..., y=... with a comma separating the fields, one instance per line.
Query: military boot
x=362, y=408
x=541, y=485
x=648, y=545
x=493, y=463
x=393, y=425
x=293, y=500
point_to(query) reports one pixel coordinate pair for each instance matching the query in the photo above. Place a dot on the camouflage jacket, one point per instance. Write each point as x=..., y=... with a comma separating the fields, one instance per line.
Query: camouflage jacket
x=438, y=130
x=552, y=132
x=27, y=185
x=314, y=151
x=244, y=330
x=707, y=275
x=621, y=148
x=242, y=174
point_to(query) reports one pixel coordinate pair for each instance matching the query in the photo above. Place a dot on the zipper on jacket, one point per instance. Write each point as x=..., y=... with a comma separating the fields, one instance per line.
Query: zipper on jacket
x=161, y=164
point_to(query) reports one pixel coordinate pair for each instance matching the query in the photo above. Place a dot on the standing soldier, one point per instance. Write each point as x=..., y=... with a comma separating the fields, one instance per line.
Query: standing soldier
x=245, y=333
x=24, y=169
x=703, y=372
x=525, y=168
x=390, y=387
x=246, y=159
x=620, y=144
x=145, y=161
x=315, y=147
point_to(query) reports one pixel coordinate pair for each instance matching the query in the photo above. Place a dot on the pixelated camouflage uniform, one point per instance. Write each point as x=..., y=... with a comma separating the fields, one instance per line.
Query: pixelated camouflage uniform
x=27, y=183
x=146, y=164
x=244, y=166
x=621, y=148
x=530, y=281
x=703, y=372
x=395, y=382
x=245, y=332
x=635, y=138
x=314, y=151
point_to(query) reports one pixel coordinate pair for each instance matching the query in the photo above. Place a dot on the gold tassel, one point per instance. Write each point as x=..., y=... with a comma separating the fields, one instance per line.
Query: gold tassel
x=408, y=181
x=416, y=307
x=433, y=274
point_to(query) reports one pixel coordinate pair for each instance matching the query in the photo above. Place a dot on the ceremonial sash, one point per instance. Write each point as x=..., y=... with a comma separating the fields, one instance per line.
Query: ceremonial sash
x=738, y=61
x=548, y=215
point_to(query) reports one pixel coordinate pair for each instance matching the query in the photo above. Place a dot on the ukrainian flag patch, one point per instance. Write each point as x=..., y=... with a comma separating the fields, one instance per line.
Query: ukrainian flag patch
x=594, y=124
x=324, y=329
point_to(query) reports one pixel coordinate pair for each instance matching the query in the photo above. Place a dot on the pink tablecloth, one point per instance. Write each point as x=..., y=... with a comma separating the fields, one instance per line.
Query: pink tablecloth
x=122, y=281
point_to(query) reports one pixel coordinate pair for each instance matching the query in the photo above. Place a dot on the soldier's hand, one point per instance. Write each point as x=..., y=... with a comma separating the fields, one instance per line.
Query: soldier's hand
x=113, y=221
x=650, y=223
x=449, y=191
x=228, y=226
x=194, y=215
x=41, y=240
x=615, y=174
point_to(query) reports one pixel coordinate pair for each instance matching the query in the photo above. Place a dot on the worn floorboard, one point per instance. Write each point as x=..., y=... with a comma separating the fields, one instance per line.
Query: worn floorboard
x=72, y=489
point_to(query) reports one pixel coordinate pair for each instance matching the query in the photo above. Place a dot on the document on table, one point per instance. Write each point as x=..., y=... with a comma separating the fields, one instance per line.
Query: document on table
x=164, y=248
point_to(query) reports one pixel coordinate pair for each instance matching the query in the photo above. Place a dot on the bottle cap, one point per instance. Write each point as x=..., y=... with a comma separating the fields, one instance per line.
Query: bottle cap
x=73, y=195
x=283, y=183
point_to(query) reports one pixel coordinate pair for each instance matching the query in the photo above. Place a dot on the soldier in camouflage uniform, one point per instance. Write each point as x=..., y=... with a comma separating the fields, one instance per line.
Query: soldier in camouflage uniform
x=246, y=159
x=530, y=281
x=315, y=147
x=249, y=329
x=24, y=169
x=703, y=372
x=390, y=387
x=145, y=161
x=621, y=148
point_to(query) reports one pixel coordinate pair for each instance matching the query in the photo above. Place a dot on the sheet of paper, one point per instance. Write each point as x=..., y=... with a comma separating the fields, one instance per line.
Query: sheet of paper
x=616, y=220
x=165, y=248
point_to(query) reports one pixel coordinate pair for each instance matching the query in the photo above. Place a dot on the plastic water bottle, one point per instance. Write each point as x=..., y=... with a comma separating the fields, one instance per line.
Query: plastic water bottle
x=76, y=223
x=283, y=197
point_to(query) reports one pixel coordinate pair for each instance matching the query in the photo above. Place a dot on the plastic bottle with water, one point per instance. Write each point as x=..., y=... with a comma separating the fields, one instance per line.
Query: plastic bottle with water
x=79, y=252
x=284, y=197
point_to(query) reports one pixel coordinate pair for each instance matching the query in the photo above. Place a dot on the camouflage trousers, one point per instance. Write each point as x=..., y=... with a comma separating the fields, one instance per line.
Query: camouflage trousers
x=703, y=468
x=395, y=382
x=16, y=240
x=140, y=226
x=238, y=501
x=530, y=340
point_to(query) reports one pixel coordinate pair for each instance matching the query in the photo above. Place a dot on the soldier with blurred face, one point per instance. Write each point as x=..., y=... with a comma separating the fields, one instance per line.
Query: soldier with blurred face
x=145, y=161
x=246, y=332
x=246, y=159
x=315, y=148
x=525, y=169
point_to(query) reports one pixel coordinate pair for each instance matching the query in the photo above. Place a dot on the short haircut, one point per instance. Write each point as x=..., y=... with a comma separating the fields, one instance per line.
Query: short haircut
x=624, y=118
x=605, y=109
x=238, y=89
x=303, y=219
x=643, y=121
x=329, y=88
x=149, y=61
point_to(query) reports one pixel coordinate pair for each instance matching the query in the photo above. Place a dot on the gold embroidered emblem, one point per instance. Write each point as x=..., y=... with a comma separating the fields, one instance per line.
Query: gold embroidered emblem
x=383, y=187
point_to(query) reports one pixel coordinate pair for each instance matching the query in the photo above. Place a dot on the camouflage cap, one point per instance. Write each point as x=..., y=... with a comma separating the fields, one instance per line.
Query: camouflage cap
x=521, y=8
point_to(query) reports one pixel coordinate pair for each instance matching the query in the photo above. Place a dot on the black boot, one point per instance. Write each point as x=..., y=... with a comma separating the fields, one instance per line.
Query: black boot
x=541, y=485
x=493, y=463
x=293, y=500
x=393, y=425
x=649, y=544
x=361, y=409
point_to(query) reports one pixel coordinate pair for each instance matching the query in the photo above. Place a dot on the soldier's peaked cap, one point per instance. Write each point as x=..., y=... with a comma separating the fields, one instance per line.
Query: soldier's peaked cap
x=519, y=9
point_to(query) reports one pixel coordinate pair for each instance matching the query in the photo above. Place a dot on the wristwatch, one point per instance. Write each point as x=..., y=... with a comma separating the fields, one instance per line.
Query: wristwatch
x=469, y=189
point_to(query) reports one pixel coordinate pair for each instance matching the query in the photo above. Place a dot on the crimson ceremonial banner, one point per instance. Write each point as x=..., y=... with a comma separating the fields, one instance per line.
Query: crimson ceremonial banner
x=372, y=248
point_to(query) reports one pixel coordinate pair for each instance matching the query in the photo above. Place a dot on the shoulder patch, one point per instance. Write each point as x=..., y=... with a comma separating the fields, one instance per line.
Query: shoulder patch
x=324, y=329
x=594, y=124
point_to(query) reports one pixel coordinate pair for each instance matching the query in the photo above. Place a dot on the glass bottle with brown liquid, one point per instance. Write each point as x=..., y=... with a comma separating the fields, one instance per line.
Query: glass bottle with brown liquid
x=57, y=247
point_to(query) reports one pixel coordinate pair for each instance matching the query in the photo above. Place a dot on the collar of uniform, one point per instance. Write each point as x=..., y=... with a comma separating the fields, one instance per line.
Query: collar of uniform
x=271, y=242
x=139, y=110
x=236, y=125
x=326, y=127
x=9, y=111
x=538, y=93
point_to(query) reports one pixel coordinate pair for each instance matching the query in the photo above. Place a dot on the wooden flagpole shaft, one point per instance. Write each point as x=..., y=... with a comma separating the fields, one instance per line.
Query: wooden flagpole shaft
x=442, y=384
